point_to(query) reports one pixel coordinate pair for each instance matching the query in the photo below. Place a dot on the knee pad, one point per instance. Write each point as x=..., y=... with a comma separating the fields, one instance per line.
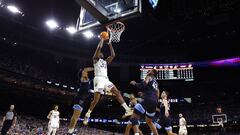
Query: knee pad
x=134, y=121
x=139, y=108
x=77, y=107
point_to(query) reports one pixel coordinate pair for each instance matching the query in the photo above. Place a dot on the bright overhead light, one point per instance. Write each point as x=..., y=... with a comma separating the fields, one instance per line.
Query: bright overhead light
x=13, y=9
x=88, y=34
x=118, y=10
x=49, y=82
x=52, y=24
x=71, y=29
x=57, y=84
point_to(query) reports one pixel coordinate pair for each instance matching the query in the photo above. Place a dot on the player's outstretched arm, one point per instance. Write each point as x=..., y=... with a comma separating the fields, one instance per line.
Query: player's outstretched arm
x=88, y=69
x=113, y=55
x=138, y=85
x=85, y=71
x=98, y=50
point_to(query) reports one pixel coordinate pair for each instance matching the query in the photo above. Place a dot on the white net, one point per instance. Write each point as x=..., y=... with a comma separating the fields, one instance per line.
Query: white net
x=115, y=30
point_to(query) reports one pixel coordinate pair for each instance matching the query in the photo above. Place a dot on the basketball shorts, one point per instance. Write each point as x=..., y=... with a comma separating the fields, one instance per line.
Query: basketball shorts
x=164, y=122
x=182, y=131
x=102, y=84
x=146, y=108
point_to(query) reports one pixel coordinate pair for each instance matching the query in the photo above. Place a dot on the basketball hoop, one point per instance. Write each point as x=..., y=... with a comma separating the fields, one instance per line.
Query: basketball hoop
x=115, y=30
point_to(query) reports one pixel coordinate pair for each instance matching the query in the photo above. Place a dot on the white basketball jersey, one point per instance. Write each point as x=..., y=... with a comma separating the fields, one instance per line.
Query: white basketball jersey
x=54, y=119
x=182, y=123
x=100, y=68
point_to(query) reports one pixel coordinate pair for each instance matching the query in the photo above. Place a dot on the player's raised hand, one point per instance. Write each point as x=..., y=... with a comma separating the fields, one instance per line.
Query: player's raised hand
x=133, y=83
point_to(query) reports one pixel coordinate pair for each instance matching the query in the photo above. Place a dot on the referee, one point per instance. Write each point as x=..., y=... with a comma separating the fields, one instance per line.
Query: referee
x=9, y=120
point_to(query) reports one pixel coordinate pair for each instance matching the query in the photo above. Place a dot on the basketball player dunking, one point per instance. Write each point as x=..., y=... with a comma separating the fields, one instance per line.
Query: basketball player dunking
x=101, y=81
x=54, y=122
x=81, y=97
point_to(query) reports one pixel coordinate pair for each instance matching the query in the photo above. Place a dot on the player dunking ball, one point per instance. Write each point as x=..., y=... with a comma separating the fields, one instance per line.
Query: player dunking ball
x=182, y=125
x=101, y=81
x=150, y=90
x=54, y=122
x=81, y=97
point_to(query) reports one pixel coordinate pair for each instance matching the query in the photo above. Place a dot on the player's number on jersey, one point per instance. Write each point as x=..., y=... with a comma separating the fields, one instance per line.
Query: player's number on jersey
x=103, y=65
x=155, y=85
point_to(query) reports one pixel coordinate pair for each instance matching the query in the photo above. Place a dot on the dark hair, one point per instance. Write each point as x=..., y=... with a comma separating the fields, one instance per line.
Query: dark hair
x=55, y=106
x=167, y=93
x=154, y=72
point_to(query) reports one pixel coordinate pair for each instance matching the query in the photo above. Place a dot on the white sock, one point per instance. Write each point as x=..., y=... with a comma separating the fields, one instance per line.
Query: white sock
x=125, y=106
x=136, y=134
x=88, y=113
x=70, y=130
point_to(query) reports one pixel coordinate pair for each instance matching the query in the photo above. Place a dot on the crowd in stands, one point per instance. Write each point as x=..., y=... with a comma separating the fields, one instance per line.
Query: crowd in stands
x=32, y=126
x=19, y=62
x=28, y=125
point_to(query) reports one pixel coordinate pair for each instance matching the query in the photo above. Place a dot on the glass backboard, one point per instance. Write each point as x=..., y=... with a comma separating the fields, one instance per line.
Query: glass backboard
x=100, y=12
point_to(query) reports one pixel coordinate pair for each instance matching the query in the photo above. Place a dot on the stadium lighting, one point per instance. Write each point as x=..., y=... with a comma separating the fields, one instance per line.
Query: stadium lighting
x=71, y=30
x=88, y=34
x=13, y=9
x=49, y=82
x=118, y=10
x=52, y=24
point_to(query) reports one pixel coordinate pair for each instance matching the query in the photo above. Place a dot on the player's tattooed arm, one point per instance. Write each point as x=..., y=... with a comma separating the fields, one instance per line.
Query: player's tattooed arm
x=98, y=50
x=113, y=55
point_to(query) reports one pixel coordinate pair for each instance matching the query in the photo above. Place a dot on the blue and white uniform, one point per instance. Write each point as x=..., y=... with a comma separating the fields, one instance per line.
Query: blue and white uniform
x=150, y=99
x=164, y=121
x=82, y=95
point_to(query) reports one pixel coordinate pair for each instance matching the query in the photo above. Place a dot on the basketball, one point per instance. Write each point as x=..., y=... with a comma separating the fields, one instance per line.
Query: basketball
x=104, y=35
